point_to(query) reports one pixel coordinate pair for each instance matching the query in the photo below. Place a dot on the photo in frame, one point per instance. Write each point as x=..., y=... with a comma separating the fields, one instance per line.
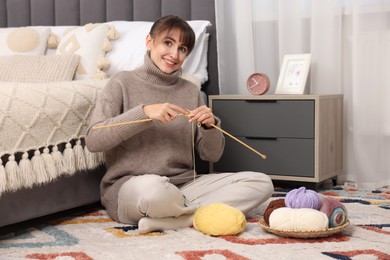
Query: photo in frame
x=293, y=74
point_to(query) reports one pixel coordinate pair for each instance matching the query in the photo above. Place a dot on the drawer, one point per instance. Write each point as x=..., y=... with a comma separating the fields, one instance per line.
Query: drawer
x=285, y=156
x=266, y=118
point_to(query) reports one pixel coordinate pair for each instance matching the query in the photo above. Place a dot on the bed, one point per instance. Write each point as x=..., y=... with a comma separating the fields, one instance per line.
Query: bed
x=77, y=183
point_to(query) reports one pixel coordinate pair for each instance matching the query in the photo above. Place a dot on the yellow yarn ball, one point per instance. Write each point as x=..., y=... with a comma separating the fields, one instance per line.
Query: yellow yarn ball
x=219, y=219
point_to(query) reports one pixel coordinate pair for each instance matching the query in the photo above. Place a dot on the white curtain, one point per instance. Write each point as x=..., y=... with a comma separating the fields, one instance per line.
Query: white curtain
x=350, y=46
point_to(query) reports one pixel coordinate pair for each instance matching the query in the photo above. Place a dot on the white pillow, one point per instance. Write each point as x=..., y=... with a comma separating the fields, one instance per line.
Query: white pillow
x=91, y=42
x=31, y=40
x=196, y=62
x=129, y=50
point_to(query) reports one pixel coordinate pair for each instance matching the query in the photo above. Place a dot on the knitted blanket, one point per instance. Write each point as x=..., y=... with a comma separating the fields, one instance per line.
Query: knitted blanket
x=42, y=126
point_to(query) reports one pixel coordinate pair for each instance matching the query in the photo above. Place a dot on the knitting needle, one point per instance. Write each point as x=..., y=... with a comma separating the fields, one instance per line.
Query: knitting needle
x=235, y=139
x=241, y=142
x=123, y=123
x=128, y=123
x=216, y=127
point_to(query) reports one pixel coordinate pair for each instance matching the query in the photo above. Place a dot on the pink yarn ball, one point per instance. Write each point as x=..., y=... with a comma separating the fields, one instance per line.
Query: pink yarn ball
x=303, y=198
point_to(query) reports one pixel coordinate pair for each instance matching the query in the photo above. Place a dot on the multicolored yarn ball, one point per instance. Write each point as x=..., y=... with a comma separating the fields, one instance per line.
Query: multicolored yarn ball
x=274, y=204
x=303, y=198
x=334, y=210
x=219, y=219
x=303, y=219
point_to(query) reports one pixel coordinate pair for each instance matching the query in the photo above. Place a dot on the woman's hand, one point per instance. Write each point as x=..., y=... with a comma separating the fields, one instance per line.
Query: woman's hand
x=202, y=115
x=163, y=112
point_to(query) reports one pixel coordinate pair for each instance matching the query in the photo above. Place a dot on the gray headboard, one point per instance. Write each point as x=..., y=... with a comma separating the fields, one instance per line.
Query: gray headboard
x=15, y=13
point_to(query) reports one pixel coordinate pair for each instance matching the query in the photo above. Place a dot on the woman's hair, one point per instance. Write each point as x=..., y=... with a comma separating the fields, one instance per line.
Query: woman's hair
x=170, y=22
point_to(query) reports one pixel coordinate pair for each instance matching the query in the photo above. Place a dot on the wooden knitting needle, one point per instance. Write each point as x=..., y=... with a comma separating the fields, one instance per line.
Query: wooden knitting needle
x=216, y=127
x=235, y=139
x=128, y=123
x=238, y=140
x=123, y=123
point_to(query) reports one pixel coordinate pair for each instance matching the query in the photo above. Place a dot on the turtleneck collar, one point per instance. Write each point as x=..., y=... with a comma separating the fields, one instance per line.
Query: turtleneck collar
x=151, y=73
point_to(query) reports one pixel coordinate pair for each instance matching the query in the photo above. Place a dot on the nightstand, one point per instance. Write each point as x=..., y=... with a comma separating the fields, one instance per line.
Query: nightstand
x=301, y=135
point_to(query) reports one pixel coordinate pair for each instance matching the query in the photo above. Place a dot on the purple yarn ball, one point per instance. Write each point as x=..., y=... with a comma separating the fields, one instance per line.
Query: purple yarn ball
x=303, y=198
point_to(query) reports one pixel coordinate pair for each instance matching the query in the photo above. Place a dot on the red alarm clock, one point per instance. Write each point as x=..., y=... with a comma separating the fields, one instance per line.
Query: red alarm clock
x=258, y=83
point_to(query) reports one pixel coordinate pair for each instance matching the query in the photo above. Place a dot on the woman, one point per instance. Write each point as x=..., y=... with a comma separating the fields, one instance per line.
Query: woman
x=150, y=179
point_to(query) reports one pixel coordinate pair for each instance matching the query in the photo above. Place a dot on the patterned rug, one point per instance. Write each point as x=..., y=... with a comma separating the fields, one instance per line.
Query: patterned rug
x=93, y=235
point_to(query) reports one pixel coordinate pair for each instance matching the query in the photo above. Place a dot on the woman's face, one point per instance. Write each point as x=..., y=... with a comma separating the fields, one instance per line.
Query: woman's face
x=166, y=51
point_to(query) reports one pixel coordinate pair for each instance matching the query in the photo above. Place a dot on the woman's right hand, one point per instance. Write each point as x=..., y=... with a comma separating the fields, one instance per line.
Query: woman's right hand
x=164, y=112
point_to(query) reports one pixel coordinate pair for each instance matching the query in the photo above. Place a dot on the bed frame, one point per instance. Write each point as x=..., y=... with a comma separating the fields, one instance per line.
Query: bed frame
x=83, y=188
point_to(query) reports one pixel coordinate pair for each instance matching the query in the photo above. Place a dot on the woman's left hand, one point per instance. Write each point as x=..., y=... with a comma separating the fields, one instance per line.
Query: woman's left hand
x=202, y=115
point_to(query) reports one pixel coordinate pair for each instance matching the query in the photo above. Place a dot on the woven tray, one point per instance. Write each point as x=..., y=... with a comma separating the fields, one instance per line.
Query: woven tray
x=303, y=234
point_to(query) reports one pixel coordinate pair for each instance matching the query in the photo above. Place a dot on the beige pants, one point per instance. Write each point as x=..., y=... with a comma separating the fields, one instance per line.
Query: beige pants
x=155, y=197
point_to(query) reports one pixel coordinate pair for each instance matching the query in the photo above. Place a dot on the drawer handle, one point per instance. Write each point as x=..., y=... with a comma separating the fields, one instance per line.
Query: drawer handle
x=261, y=101
x=261, y=138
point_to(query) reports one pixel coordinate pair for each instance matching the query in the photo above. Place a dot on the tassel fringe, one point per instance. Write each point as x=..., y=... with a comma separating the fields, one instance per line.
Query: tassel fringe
x=107, y=47
x=3, y=180
x=113, y=33
x=53, y=40
x=50, y=165
x=100, y=74
x=25, y=171
x=69, y=159
x=45, y=167
x=59, y=160
x=103, y=63
x=81, y=163
x=12, y=172
x=39, y=168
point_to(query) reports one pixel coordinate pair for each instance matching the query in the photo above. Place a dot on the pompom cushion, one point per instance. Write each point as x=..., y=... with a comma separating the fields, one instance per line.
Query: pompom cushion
x=38, y=68
x=219, y=219
x=31, y=40
x=91, y=42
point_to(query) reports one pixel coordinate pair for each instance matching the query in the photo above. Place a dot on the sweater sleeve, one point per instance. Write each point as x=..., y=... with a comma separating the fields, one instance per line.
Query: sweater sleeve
x=109, y=111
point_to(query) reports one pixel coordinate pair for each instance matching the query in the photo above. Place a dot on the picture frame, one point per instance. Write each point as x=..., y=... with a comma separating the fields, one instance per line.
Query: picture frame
x=293, y=74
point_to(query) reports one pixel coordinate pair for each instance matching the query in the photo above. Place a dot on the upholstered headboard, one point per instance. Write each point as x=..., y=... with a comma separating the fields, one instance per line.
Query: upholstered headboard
x=15, y=13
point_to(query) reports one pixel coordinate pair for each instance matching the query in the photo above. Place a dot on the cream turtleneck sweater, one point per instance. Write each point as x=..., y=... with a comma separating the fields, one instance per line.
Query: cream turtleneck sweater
x=149, y=147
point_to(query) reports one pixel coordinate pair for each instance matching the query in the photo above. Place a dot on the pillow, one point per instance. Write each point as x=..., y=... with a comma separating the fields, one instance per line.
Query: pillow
x=128, y=51
x=38, y=68
x=31, y=40
x=58, y=32
x=91, y=42
x=196, y=62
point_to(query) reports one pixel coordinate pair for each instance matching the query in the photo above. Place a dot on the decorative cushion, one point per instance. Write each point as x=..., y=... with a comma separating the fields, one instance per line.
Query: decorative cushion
x=91, y=42
x=38, y=68
x=128, y=51
x=24, y=40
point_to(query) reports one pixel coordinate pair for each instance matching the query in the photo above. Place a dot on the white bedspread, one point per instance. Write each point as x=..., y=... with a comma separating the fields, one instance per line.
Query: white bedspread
x=35, y=116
